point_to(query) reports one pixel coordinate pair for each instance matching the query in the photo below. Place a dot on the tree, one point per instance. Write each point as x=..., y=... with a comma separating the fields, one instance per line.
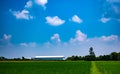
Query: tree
x=91, y=54
x=74, y=58
x=23, y=58
x=91, y=51
x=2, y=58
x=87, y=57
x=115, y=56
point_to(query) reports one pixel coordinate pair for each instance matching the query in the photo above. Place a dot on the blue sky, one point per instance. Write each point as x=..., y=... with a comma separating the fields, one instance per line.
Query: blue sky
x=59, y=27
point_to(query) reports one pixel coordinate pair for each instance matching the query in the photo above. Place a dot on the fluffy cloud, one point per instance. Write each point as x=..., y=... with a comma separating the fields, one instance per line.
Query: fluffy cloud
x=78, y=37
x=54, y=21
x=31, y=44
x=42, y=2
x=28, y=4
x=55, y=38
x=110, y=38
x=39, y=2
x=81, y=37
x=76, y=19
x=104, y=20
x=24, y=14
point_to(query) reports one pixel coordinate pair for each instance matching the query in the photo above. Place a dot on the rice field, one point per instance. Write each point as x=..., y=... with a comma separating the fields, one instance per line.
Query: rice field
x=44, y=67
x=111, y=67
x=60, y=67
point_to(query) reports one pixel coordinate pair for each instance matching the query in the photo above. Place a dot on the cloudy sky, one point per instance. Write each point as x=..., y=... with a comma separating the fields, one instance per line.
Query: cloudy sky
x=59, y=27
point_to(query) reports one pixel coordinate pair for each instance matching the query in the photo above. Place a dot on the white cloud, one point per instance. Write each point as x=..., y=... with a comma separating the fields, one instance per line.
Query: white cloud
x=79, y=37
x=109, y=38
x=55, y=38
x=76, y=19
x=28, y=4
x=104, y=39
x=31, y=44
x=104, y=20
x=42, y=2
x=7, y=37
x=54, y=21
x=24, y=14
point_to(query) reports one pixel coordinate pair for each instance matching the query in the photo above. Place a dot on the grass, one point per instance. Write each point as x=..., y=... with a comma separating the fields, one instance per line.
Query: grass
x=94, y=69
x=111, y=67
x=60, y=67
x=45, y=67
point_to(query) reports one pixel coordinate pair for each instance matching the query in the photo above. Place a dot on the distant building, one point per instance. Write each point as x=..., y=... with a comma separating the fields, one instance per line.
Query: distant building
x=48, y=57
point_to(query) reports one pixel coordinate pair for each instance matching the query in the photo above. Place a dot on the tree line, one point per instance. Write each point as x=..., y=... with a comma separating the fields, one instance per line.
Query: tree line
x=14, y=59
x=114, y=56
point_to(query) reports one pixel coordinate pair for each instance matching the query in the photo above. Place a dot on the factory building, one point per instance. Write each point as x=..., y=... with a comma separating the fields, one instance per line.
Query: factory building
x=48, y=57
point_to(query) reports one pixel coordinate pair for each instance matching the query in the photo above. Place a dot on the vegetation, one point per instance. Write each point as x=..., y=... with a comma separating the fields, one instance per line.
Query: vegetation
x=14, y=59
x=94, y=69
x=45, y=67
x=114, y=56
x=89, y=64
x=60, y=67
x=111, y=67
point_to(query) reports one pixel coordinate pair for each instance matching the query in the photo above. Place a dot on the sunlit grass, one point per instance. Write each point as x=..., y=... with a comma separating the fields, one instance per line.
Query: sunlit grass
x=60, y=67
x=45, y=67
x=94, y=69
x=111, y=67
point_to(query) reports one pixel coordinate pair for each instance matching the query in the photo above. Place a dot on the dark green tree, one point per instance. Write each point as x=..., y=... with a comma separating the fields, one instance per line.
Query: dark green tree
x=2, y=58
x=23, y=58
x=73, y=58
x=91, y=54
x=115, y=56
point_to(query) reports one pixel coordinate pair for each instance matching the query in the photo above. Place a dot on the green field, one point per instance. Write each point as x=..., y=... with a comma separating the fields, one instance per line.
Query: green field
x=112, y=67
x=60, y=67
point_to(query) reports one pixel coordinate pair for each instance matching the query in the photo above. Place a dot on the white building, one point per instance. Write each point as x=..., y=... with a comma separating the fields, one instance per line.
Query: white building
x=48, y=57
